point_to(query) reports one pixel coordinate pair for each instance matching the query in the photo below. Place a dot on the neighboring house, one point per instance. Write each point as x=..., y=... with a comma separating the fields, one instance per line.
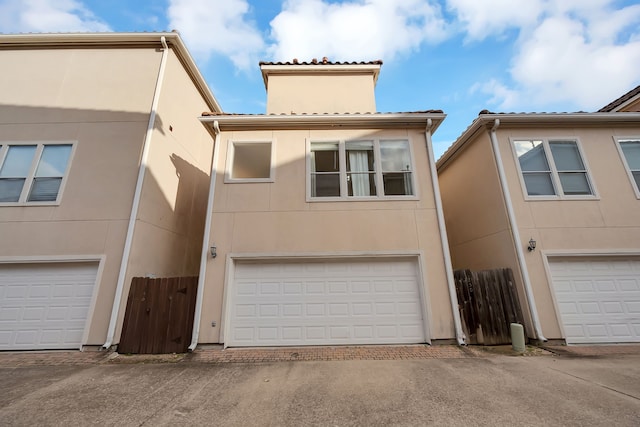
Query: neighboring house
x=104, y=175
x=629, y=102
x=556, y=198
x=324, y=219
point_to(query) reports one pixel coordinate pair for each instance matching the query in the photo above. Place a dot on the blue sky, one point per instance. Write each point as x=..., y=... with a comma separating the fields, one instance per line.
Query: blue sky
x=460, y=56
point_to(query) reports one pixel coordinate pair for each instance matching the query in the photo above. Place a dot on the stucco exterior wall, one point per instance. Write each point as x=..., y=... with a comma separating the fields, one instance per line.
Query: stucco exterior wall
x=316, y=93
x=478, y=226
x=99, y=99
x=275, y=219
x=475, y=213
x=606, y=223
x=170, y=223
x=632, y=107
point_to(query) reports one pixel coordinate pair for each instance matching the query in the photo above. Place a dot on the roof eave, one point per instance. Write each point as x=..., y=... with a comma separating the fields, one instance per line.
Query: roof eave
x=483, y=121
x=324, y=121
x=618, y=104
x=271, y=69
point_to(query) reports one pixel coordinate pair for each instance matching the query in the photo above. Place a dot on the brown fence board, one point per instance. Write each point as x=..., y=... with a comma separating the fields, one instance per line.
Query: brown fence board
x=159, y=315
x=488, y=303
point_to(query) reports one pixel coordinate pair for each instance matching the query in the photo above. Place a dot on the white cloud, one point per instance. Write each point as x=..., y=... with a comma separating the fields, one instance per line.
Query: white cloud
x=22, y=16
x=354, y=30
x=572, y=56
x=560, y=62
x=499, y=94
x=481, y=19
x=217, y=27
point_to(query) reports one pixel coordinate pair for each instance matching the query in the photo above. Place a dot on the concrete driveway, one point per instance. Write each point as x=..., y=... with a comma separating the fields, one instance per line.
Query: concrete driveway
x=489, y=390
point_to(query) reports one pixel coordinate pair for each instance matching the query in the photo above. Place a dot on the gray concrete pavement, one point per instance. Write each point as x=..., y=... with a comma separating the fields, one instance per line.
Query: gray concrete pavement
x=492, y=390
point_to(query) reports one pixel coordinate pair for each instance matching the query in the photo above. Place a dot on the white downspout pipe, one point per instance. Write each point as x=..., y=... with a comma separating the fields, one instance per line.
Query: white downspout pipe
x=136, y=199
x=515, y=233
x=460, y=336
x=205, y=240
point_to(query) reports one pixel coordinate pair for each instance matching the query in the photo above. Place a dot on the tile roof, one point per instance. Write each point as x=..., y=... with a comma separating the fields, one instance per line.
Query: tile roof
x=209, y=113
x=486, y=118
x=531, y=113
x=618, y=102
x=323, y=61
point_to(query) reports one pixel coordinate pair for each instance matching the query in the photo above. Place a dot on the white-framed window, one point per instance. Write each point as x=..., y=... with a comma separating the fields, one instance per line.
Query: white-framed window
x=553, y=168
x=630, y=152
x=33, y=172
x=250, y=161
x=367, y=169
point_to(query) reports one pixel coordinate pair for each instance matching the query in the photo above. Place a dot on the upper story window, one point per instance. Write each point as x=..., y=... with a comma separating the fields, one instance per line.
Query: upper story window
x=369, y=169
x=630, y=149
x=552, y=168
x=249, y=161
x=32, y=173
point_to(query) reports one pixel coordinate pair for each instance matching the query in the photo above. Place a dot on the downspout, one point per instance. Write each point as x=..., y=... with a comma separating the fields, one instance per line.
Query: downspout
x=515, y=233
x=136, y=198
x=205, y=240
x=460, y=336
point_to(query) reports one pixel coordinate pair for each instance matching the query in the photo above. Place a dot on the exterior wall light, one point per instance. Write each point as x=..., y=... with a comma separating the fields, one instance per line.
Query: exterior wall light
x=532, y=245
x=213, y=252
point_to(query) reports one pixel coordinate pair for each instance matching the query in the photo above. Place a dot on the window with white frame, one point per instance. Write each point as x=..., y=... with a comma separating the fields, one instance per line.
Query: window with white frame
x=249, y=161
x=631, y=152
x=32, y=173
x=360, y=169
x=552, y=167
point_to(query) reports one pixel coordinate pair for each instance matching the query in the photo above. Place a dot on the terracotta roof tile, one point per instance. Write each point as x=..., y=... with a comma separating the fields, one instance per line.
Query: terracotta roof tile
x=323, y=61
x=618, y=102
x=531, y=113
x=209, y=113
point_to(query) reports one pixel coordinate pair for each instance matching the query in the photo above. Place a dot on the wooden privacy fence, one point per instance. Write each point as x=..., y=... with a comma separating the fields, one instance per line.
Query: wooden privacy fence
x=488, y=303
x=159, y=315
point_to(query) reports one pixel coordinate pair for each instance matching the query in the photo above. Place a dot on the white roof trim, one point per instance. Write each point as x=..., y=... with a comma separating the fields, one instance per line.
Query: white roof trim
x=380, y=121
x=284, y=69
x=519, y=119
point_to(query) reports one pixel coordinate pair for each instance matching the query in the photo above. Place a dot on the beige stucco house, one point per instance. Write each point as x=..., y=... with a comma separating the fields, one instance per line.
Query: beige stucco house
x=324, y=221
x=556, y=198
x=104, y=175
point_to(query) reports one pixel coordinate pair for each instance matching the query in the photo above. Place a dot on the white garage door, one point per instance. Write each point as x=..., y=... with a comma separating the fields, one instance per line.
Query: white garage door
x=598, y=299
x=44, y=306
x=325, y=302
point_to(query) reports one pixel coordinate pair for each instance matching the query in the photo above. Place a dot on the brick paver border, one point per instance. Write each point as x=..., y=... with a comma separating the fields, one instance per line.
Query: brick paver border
x=285, y=354
x=243, y=355
x=279, y=354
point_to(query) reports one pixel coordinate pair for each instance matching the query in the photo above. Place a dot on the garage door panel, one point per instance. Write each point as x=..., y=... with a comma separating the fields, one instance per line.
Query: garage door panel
x=292, y=310
x=326, y=303
x=621, y=329
x=292, y=288
x=632, y=307
x=629, y=285
x=44, y=305
x=598, y=299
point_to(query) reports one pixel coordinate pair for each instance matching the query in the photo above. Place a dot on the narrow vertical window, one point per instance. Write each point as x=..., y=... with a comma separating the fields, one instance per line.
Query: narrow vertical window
x=395, y=162
x=49, y=173
x=535, y=168
x=571, y=169
x=360, y=168
x=325, y=169
x=631, y=151
x=15, y=171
